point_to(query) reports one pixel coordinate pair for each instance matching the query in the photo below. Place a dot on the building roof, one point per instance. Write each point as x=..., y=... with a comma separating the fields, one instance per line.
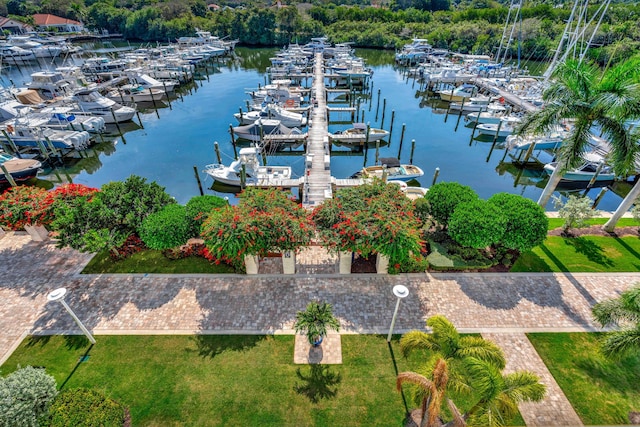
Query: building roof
x=44, y=19
x=4, y=21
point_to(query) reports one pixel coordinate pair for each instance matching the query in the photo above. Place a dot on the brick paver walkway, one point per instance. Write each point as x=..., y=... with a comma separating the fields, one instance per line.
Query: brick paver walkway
x=147, y=304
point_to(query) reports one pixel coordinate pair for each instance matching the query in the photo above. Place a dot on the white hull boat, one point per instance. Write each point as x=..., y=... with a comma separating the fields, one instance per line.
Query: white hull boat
x=271, y=111
x=584, y=173
x=19, y=169
x=255, y=174
x=503, y=129
x=92, y=103
x=358, y=135
x=129, y=93
x=266, y=127
x=390, y=168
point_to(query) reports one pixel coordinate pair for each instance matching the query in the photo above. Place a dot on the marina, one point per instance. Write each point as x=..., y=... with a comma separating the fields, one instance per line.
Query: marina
x=168, y=143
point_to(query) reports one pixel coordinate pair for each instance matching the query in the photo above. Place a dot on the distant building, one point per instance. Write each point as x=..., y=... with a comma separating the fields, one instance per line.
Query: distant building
x=15, y=27
x=213, y=7
x=49, y=22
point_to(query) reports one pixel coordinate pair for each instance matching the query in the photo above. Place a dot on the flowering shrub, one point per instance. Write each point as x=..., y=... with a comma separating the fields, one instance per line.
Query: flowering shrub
x=370, y=218
x=133, y=244
x=188, y=250
x=264, y=221
x=23, y=205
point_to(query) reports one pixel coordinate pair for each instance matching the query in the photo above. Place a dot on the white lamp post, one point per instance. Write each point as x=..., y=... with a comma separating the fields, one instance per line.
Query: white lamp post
x=399, y=291
x=58, y=295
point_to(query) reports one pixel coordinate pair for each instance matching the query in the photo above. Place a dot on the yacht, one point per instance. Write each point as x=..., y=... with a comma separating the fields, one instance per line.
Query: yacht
x=92, y=103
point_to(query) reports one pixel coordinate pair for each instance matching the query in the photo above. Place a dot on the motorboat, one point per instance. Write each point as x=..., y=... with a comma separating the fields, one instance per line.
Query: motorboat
x=464, y=91
x=263, y=127
x=255, y=174
x=50, y=84
x=390, y=168
x=593, y=163
x=272, y=111
x=551, y=141
x=134, y=93
x=475, y=103
x=91, y=102
x=26, y=135
x=358, y=134
x=61, y=118
x=417, y=50
x=503, y=129
x=38, y=49
x=15, y=54
x=145, y=81
x=412, y=193
x=19, y=169
x=494, y=112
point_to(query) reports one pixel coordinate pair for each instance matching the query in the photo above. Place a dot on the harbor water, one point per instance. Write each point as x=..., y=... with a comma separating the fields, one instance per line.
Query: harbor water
x=174, y=139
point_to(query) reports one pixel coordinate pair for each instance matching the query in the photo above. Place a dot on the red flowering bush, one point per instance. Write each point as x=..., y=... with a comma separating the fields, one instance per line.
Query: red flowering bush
x=264, y=221
x=133, y=244
x=23, y=205
x=371, y=218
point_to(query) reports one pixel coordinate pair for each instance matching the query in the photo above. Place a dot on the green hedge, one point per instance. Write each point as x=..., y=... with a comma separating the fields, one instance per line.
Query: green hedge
x=88, y=408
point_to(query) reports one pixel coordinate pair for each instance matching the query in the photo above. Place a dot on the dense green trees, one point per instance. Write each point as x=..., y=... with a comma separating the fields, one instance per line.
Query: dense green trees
x=25, y=397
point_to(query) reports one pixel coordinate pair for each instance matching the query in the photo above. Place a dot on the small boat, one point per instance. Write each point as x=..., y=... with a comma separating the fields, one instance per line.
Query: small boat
x=475, y=103
x=552, y=141
x=358, y=134
x=412, y=193
x=267, y=127
x=392, y=169
x=91, y=102
x=24, y=135
x=465, y=91
x=503, y=129
x=494, y=112
x=272, y=111
x=19, y=169
x=134, y=93
x=255, y=174
x=585, y=172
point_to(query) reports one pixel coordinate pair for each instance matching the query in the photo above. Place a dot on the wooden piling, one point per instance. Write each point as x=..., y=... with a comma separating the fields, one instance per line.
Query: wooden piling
x=435, y=176
x=393, y=116
x=217, y=148
x=459, y=115
x=195, y=171
x=12, y=144
x=384, y=109
x=7, y=175
x=413, y=148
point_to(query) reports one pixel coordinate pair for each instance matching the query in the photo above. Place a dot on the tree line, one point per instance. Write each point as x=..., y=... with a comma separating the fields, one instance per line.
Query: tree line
x=474, y=27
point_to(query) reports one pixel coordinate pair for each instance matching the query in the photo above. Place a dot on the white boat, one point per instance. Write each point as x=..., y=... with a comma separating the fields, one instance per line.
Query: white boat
x=586, y=171
x=38, y=49
x=264, y=127
x=50, y=84
x=390, y=168
x=15, y=54
x=144, y=80
x=465, y=91
x=255, y=174
x=91, y=102
x=551, y=141
x=475, y=103
x=19, y=169
x=273, y=111
x=26, y=135
x=503, y=129
x=358, y=134
x=132, y=93
x=416, y=50
x=494, y=113
x=412, y=193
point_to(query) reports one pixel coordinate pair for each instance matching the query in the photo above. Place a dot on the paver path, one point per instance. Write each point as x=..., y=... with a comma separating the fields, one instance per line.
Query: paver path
x=147, y=304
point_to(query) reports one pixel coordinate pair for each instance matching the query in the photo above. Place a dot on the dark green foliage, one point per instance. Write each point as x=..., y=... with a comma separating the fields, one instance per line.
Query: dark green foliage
x=198, y=209
x=88, y=408
x=477, y=224
x=443, y=198
x=167, y=228
x=421, y=212
x=526, y=222
x=25, y=396
x=315, y=321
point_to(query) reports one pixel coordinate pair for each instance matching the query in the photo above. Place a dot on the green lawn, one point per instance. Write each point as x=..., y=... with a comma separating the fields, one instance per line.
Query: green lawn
x=623, y=222
x=601, y=391
x=150, y=261
x=582, y=254
x=229, y=380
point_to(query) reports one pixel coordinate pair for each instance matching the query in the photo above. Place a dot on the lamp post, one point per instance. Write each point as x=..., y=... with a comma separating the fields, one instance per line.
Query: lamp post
x=399, y=291
x=58, y=295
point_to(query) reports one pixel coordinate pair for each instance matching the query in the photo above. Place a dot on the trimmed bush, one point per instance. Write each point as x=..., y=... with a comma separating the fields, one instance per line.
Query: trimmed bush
x=477, y=224
x=166, y=228
x=526, y=222
x=25, y=397
x=199, y=208
x=444, y=197
x=88, y=408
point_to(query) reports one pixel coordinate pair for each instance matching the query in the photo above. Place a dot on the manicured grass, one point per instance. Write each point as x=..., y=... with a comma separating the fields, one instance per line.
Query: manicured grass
x=229, y=380
x=150, y=261
x=582, y=254
x=624, y=222
x=601, y=391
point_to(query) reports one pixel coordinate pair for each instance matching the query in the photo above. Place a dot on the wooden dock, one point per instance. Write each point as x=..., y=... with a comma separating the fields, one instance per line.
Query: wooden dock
x=317, y=180
x=509, y=97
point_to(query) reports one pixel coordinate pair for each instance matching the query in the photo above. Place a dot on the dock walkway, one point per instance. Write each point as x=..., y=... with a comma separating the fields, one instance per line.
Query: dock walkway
x=509, y=97
x=317, y=185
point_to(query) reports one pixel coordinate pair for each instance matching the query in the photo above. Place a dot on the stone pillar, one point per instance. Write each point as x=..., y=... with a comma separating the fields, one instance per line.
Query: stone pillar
x=345, y=262
x=382, y=264
x=289, y=262
x=251, y=263
x=37, y=232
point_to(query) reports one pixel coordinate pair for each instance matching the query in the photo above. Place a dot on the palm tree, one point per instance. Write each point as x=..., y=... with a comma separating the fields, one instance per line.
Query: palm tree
x=580, y=92
x=622, y=311
x=315, y=321
x=432, y=393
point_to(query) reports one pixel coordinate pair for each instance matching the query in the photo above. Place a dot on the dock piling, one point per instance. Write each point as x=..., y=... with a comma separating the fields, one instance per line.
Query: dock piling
x=435, y=176
x=195, y=171
x=413, y=148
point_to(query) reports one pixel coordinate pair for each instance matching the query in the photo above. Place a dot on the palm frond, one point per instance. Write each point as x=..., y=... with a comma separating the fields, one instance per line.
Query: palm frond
x=625, y=308
x=622, y=343
x=523, y=386
x=624, y=144
x=444, y=334
x=491, y=415
x=416, y=340
x=484, y=378
x=413, y=378
x=482, y=349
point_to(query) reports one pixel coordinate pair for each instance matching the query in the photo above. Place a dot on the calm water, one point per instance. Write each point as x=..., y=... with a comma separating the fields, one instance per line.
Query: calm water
x=168, y=147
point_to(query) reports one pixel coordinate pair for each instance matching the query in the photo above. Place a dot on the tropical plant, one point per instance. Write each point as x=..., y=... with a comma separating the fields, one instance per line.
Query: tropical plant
x=575, y=212
x=526, y=222
x=23, y=205
x=315, y=321
x=580, y=92
x=624, y=313
x=25, y=397
x=86, y=407
x=167, y=228
x=199, y=208
x=444, y=197
x=477, y=224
